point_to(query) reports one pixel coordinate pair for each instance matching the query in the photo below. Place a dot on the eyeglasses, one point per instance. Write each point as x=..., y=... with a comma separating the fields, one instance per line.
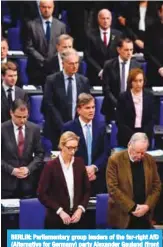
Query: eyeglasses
x=72, y=148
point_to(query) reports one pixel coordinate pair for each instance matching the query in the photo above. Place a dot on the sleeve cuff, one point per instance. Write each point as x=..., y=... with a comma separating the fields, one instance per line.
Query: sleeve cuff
x=59, y=210
x=83, y=209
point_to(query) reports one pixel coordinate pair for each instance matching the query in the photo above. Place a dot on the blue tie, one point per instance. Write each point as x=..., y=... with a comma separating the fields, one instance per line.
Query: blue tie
x=89, y=143
x=47, y=31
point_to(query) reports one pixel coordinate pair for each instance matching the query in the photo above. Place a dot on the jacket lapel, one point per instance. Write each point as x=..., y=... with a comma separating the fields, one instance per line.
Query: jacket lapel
x=13, y=140
x=128, y=171
x=148, y=182
x=75, y=171
x=62, y=177
x=40, y=31
x=4, y=98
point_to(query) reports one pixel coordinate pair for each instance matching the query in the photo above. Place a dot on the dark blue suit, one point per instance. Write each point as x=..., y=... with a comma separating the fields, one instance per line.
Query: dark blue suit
x=100, y=148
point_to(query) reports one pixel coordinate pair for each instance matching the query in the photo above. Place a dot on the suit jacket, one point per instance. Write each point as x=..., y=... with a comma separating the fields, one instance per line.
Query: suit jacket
x=111, y=85
x=38, y=50
x=126, y=119
x=5, y=111
x=120, y=187
x=97, y=53
x=54, y=106
x=53, y=192
x=9, y=153
x=100, y=145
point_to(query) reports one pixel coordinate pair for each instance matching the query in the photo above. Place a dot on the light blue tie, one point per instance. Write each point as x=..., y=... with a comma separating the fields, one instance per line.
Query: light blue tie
x=89, y=143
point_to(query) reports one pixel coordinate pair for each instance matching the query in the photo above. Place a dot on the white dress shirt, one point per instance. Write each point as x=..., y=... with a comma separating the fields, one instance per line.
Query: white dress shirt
x=142, y=11
x=74, y=91
x=60, y=62
x=127, y=68
x=16, y=131
x=107, y=31
x=6, y=92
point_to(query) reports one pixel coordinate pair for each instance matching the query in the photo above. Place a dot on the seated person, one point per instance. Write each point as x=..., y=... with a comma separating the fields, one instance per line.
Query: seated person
x=135, y=109
x=64, y=187
x=93, y=144
x=9, y=90
x=21, y=153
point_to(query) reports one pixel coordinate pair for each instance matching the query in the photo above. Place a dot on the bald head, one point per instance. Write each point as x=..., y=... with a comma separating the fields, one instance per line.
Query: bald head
x=104, y=19
x=46, y=8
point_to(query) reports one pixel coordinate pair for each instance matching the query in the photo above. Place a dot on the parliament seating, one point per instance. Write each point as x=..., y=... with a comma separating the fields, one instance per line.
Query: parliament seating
x=102, y=211
x=35, y=113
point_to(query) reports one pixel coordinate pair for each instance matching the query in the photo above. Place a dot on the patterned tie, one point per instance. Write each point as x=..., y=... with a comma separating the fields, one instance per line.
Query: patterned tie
x=9, y=97
x=69, y=95
x=47, y=31
x=105, y=38
x=123, y=84
x=89, y=143
x=20, y=142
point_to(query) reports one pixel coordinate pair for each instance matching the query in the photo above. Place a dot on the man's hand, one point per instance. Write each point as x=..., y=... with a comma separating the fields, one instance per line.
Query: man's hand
x=17, y=173
x=141, y=210
x=25, y=171
x=65, y=217
x=139, y=43
x=91, y=172
x=160, y=71
x=76, y=216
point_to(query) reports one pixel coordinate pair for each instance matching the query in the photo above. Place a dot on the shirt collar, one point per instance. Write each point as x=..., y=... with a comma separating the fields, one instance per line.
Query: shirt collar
x=83, y=124
x=62, y=161
x=16, y=127
x=104, y=31
x=44, y=20
x=67, y=76
x=122, y=61
x=7, y=87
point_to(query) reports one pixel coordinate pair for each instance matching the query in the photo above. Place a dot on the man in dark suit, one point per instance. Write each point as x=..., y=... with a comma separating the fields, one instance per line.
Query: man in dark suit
x=60, y=96
x=21, y=154
x=101, y=46
x=40, y=45
x=115, y=76
x=93, y=145
x=154, y=51
x=134, y=186
x=10, y=92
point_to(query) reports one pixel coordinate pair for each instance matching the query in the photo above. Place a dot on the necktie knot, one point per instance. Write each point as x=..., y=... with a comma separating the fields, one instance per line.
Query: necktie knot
x=47, y=23
x=9, y=90
x=70, y=79
x=20, y=128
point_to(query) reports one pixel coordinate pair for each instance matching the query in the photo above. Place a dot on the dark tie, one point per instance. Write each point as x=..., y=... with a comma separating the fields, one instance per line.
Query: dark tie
x=69, y=95
x=20, y=142
x=123, y=84
x=47, y=31
x=9, y=96
x=105, y=38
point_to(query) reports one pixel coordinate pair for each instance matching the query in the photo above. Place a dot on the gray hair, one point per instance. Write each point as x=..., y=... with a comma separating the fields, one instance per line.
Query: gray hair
x=139, y=136
x=66, y=53
x=64, y=37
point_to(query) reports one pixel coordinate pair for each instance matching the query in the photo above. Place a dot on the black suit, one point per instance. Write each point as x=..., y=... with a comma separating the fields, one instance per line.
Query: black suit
x=10, y=158
x=39, y=51
x=55, y=107
x=126, y=116
x=97, y=53
x=154, y=51
x=111, y=86
x=5, y=111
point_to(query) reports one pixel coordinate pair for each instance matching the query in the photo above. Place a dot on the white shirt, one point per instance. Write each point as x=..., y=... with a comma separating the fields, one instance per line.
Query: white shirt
x=44, y=22
x=107, y=31
x=69, y=177
x=142, y=11
x=60, y=62
x=127, y=68
x=74, y=91
x=16, y=131
x=6, y=92
x=84, y=126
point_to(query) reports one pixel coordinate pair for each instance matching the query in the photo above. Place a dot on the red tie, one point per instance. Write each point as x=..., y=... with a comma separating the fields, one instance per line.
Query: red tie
x=105, y=38
x=20, y=142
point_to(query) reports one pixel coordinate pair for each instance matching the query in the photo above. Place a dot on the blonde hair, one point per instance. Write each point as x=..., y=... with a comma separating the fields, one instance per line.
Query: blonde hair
x=67, y=136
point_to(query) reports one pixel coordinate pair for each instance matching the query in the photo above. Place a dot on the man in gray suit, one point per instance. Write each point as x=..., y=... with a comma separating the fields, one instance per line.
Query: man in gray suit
x=115, y=76
x=9, y=91
x=40, y=45
x=21, y=153
x=60, y=95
